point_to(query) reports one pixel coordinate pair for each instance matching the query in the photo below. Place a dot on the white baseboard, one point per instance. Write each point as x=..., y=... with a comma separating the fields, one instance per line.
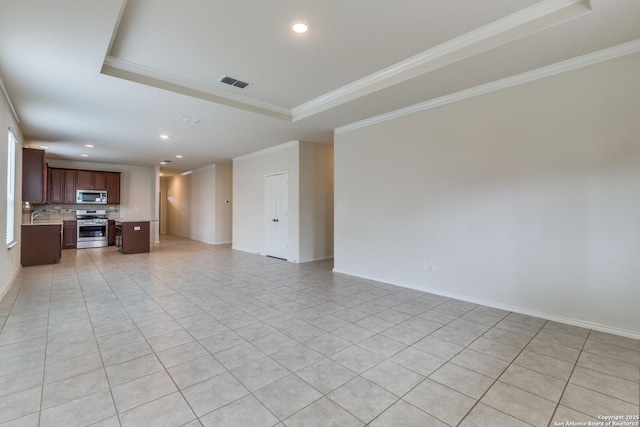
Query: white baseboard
x=13, y=279
x=493, y=304
x=316, y=259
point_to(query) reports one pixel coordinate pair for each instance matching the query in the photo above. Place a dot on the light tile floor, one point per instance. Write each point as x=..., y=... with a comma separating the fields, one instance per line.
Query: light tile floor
x=193, y=334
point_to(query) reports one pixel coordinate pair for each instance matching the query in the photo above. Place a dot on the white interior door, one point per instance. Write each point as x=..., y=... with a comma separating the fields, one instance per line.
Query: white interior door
x=276, y=215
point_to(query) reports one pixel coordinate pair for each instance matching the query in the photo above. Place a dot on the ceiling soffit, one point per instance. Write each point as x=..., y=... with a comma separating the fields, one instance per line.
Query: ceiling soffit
x=522, y=23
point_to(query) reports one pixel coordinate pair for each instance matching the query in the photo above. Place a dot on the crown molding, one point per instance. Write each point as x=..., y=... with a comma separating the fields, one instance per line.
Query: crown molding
x=537, y=17
x=5, y=94
x=116, y=26
x=502, y=31
x=603, y=55
x=268, y=150
x=151, y=77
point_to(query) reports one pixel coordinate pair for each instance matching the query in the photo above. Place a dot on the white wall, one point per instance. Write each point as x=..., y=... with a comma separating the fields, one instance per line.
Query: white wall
x=527, y=198
x=9, y=259
x=316, y=201
x=224, y=206
x=249, y=199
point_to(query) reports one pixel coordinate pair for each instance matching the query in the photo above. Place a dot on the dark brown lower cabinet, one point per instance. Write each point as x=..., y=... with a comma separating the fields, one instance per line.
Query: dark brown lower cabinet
x=135, y=237
x=41, y=244
x=111, y=232
x=69, y=234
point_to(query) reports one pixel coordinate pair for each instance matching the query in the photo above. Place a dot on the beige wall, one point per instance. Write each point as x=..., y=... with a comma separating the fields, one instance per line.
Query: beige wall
x=9, y=259
x=164, y=188
x=526, y=199
x=179, y=206
x=196, y=207
x=316, y=201
x=224, y=202
x=249, y=174
x=203, y=204
x=310, y=169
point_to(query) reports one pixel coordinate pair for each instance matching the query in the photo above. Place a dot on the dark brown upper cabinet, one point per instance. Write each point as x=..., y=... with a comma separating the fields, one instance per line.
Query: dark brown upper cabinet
x=113, y=188
x=63, y=184
x=34, y=176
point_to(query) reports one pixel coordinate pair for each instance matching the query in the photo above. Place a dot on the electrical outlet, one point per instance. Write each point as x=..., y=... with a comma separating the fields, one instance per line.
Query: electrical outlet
x=423, y=265
x=432, y=267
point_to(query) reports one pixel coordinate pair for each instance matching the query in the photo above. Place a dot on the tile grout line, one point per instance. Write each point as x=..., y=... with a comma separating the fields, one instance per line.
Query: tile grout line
x=152, y=350
x=501, y=373
x=229, y=371
x=400, y=398
x=104, y=368
x=46, y=346
x=569, y=378
x=301, y=287
x=196, y=340
x=323, y=395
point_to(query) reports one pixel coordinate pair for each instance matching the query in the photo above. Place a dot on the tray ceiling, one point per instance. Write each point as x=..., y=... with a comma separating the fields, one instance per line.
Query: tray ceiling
x=118, y=73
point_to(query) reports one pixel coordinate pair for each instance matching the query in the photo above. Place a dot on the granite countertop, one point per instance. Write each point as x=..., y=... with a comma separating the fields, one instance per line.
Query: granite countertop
x=52, y=222
x=130, y=220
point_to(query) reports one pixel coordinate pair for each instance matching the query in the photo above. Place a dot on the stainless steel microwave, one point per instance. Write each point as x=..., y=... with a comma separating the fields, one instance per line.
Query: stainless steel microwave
x=95, y=197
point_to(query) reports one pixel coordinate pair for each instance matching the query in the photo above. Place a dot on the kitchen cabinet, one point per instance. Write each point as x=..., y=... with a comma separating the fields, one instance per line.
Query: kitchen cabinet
x=55, y=185
x=99, y=180
x=34, y=176
x=41, y=244
x=69, y=186
x=84, y=180
x=111, y=232
x=62, y=186
x=91, y=180
x=113, y=188
x=134, y=236
x=69, y=234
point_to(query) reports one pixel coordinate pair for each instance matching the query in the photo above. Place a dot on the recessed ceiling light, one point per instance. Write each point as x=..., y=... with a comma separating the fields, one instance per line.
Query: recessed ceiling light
x=300, y=27
x=163, y=163
x=178, y=156
x=88, y=145
x=44, y=147
x=161, y=174
x=164, y=136
x=84, y=155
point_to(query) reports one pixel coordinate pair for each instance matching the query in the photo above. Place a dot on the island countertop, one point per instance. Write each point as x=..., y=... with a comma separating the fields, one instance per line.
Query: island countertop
x=52, y=222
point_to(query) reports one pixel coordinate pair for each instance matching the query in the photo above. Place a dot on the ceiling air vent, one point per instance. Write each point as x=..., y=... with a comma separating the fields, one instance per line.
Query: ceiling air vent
x=233, y=82
x=188, y=120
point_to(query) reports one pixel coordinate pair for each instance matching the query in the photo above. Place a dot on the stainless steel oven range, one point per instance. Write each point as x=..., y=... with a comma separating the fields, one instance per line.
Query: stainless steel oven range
x=92, y=228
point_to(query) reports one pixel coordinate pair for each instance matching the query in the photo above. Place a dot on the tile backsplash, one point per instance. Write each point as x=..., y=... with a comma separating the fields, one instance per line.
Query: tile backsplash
x=61, y=212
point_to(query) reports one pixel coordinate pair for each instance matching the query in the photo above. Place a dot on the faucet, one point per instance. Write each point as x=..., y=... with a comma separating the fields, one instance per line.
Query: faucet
x=36, y=214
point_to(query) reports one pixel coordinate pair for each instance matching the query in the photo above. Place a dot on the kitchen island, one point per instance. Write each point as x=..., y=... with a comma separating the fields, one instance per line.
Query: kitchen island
x=132, y=236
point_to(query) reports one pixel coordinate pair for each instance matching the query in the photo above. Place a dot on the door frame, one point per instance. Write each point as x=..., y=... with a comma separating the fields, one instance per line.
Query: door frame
x=266, y=231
